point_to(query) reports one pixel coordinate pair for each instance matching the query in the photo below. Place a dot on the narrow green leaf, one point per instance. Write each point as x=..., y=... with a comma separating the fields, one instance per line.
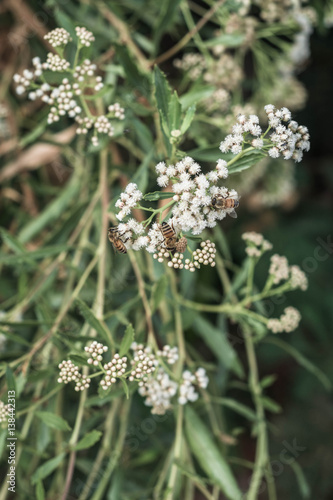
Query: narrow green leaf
x=302, y=360
x=303, y=485
x=270, y=405
x=268, y=381
x=11, y=383
x=158, y=195
x=127, y=340
x=174, y=112
x=218, y=343
x=15, y=338
x=249, y=159
x=227, y=39
x=243, y=410
x=190, y=113
x=30, y=257
x=12, y=242
x=193, y=238
x=167, y=12
x=52, y=420
x=125, y=386
x=139, y=81
x=51, y=212
x=88, y=440
x=211, y=154
x=162, y=94
x=209, y=456
x=189, y=473
x=195, y=95
x=37, y=131
x=40, y=492
x=158, y=292
x=47, y=468
x=142, y=173
x=95, y=323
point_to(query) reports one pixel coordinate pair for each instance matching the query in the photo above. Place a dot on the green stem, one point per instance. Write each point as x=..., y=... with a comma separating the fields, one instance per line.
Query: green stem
x=176, y=454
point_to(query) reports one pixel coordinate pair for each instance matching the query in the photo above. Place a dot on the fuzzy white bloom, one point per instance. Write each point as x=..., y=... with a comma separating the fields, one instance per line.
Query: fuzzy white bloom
x=256, y=244
x=158, y=392
x=288, y=322
x=279, y=268
x=298, y=278
x=128, y=200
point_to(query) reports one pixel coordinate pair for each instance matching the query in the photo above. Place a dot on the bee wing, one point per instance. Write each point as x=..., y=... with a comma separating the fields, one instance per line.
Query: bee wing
x=232, y=214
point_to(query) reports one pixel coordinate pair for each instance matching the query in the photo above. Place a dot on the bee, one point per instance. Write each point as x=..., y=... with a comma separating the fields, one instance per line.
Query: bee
x=224, y=203
x=116, y=240
x=169, y=235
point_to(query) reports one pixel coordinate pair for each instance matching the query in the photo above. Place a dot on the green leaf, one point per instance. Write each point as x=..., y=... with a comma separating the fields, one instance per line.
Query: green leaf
x=95, y=323
x=268, y=381
x=190, y=113
x=138, y=81
x=218, y=343
x=270, y=405
x=174, y=112
x=14, y=337
x=78, y=359
x=209, y=456
x=29, y=257
x=52, y=420
x=32, y=136
x=158, y=292
x=302, y=360
x=47, y=468
x=303, y=485
x=193, y=238
x=52, y=212
x=158, y=195
x=125, y=386
x=211, y=154
x=226, y=39
x=189, y=473
x=243, y=410
x=143, y=133
x=141, y=175
x=40, y=492
x=11, y=383
x=162, y=95
x=127, y=340
x=195, y=95
x=167, y=10
x=88, y=440
x=248, y=159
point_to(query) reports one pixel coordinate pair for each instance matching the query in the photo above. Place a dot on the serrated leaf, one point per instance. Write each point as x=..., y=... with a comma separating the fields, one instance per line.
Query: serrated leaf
x=127, y=340
x=174, y=112
x=218, y=343
x=270, y=405
x=95, y=323
x=158, y=195
x=78, y=359
x=40, y=492
x=47, y=468
x=52, y=420
x=209, y=456
x=162, y=95
x=11, y=384
x=248, y=159
x=189, y=115
x=302, y=360
x=88, y=440
x=158, y=292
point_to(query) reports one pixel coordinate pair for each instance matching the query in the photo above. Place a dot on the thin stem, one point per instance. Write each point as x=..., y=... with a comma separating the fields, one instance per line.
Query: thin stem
x=176, y=454
x=184, y=41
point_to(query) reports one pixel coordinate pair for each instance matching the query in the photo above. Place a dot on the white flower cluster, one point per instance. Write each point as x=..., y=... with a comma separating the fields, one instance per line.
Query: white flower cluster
x=281, y=271
x=96, y=351
x=193, y=194
x=68, y=97
x=170, y=353
x=256, y=244
x=115, y=368
x=128, y=200
x=158, y=392
x=85, y=37
x=58, y=37
x=3, y=412
x=205, y=254
x=289, y=141
x=143, y=363
x=159, y=389
x=286, y=139
x=288, y=322
x=244, y=126
x=70, y=373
